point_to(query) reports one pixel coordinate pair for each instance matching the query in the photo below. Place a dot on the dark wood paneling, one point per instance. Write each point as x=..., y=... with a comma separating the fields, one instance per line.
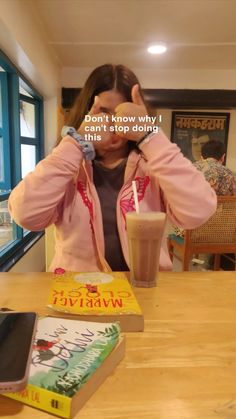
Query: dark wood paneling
x=173, y=98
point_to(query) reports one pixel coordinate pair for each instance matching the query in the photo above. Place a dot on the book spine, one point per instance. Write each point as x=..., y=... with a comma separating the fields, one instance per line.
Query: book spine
x=43, y=399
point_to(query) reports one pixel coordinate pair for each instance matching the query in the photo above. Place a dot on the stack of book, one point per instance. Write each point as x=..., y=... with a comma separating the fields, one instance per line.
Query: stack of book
x=73, y=353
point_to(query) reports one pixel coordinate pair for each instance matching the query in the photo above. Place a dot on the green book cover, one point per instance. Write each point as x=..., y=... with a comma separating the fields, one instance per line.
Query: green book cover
x=66, y=355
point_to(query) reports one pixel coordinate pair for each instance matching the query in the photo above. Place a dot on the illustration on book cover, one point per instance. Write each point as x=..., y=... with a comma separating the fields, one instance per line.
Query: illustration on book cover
x=65, y=357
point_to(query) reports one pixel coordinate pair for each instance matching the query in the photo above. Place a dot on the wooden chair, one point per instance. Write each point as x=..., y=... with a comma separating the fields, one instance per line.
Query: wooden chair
x=217, y=236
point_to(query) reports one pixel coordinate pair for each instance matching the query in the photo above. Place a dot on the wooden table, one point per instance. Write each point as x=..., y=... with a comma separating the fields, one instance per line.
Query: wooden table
x=183, y=366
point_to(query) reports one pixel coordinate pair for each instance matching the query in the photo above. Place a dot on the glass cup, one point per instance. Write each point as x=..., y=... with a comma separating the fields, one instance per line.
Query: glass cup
x=145, y=231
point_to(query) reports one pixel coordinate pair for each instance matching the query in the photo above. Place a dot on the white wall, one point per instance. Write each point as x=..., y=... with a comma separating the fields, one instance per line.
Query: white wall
x=23, y=40
x=163, y=79
x=34, y=259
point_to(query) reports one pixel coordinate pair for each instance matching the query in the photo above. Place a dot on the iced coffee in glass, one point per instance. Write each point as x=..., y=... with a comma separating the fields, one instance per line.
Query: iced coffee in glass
x=145, y=232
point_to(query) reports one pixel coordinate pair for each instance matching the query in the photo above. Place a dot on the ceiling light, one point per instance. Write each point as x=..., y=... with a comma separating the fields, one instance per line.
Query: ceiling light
x=157, y=49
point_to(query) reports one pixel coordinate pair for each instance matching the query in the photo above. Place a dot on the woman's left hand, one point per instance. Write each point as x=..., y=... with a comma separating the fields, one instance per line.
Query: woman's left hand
x=134, y=110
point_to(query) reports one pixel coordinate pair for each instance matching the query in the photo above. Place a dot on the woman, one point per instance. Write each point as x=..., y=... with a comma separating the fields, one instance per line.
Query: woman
x=87, y=201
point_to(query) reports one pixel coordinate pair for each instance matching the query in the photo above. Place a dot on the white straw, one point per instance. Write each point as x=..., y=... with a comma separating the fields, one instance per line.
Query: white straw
x=136, y=204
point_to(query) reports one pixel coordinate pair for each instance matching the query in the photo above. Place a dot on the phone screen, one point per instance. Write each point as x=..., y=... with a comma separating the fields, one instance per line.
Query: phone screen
x=16, y=333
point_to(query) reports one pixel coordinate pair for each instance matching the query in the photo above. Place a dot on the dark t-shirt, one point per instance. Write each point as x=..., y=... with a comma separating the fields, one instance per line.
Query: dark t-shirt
x=108, y=183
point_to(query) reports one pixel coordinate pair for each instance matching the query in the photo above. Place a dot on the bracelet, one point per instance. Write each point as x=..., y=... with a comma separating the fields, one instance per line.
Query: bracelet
x=86, y=147
x=144, y=137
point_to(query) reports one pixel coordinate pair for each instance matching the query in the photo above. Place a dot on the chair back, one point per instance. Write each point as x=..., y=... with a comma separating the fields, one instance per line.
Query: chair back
x=221, y=227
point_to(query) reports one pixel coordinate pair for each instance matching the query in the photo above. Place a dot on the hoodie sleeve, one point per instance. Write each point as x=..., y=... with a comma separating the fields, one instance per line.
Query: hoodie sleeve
x=188, y=197
x=35, y=202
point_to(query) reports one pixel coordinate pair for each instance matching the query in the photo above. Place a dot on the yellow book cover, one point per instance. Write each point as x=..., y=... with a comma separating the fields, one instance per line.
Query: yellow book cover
x=70, y=359
x=97, y=296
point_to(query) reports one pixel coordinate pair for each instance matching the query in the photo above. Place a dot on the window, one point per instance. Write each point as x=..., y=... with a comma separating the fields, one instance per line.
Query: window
x=21, y=147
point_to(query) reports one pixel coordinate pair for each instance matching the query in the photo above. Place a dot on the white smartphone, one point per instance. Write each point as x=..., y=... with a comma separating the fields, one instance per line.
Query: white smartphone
x=17, y=332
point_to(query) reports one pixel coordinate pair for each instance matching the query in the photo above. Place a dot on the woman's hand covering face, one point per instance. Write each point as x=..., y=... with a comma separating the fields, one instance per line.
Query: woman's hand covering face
x=107, y=109
x=99, y=125
x=135, y=109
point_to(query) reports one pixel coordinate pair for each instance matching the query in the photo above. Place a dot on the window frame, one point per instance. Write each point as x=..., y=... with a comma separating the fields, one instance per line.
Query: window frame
x=4, y=133
x=13, y=79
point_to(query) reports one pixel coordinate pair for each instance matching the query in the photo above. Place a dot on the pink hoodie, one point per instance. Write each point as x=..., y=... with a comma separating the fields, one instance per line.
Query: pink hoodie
x=60, y=191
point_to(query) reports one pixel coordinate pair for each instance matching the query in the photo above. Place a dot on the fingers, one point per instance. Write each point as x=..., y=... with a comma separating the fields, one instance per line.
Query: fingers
x=136, y=96
x=96, y=106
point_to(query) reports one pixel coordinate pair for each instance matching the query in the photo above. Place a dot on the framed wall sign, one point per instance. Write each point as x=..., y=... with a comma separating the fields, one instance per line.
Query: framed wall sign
x=190, y=130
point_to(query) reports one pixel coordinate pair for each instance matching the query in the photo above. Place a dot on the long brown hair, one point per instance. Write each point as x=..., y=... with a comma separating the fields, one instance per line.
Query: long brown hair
x=103, y=78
